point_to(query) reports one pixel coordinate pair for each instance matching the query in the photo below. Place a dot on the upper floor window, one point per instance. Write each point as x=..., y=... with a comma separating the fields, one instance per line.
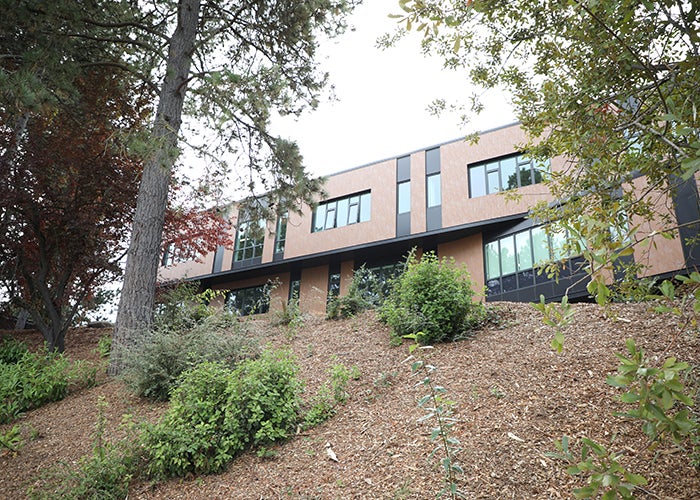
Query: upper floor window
x=172, y=255
x=433, y=196
x=249, y=240
x=281, y=233
x=342, y=212
x=505, y=173
x=404, y=197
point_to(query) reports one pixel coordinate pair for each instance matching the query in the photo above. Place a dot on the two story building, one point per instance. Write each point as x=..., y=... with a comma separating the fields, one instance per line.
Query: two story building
x=444, y=198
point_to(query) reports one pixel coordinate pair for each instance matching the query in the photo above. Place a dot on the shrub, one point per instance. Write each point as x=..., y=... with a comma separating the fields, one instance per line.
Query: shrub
x=154, y=365
x=183, y=306
x=11, y=350
x=433, y=299
x=36, y=379
x=366, y=291
x=216, y=412
x=264, y=397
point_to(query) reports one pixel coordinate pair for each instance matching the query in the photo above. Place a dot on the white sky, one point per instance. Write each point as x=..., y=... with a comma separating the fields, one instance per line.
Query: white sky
x=383, y=97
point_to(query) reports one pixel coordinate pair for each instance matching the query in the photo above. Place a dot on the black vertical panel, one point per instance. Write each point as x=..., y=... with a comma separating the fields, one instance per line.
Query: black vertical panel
x=218, y=259
x=687, y=205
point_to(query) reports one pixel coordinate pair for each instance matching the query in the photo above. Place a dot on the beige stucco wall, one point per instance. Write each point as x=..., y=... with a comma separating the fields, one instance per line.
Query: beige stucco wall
x=467, y=251
x=314, y=289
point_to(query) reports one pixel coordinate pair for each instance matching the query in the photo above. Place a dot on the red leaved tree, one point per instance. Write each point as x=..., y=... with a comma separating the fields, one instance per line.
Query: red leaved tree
x=67, y=196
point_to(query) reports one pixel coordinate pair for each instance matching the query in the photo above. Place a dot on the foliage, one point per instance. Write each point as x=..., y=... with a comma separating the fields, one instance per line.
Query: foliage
x=216, y=413
x=67, y=198
x=36, y=379
x=438, y=407
x=104, y=474
x=433, y=298
x=155, y=362
x=366, y=291
x=290, y=316
x=558, y=316
x=656, y=393
x=181, y=305
x=612, y=88
x=606, y=474
x=12, y=350
x=331, y=394
x=104, y=346
x=682, y=301
x=11, y=439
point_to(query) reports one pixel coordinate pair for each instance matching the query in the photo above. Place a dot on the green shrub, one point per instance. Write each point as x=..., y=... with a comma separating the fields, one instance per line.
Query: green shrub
x=264, y=397
x=104, y=346
x=154, y=365
x=366, y=291
x=433, y=299
x=35, y=379
x=192, y=436
x=216, y=413
x=11, y=350
x=182, y=306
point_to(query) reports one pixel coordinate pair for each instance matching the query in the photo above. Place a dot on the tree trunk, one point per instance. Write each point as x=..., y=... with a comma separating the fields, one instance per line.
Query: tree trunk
x=137, y=296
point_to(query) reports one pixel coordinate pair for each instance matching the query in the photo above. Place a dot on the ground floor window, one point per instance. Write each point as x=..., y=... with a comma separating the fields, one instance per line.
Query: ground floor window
x=250, y=300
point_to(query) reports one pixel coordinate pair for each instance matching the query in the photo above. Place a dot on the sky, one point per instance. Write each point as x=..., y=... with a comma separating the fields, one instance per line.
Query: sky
x=382, y=99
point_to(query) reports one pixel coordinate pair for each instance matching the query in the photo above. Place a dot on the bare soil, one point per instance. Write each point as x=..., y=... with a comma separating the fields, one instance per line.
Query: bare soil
x=514, y=397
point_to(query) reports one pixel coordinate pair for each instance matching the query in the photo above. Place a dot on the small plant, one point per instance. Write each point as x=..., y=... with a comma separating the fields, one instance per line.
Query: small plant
x=11, y=439
x=438, y=408
x=104, y=346
x=605, y=473
x=656, y=393
x=11, y=350
x=331, y=394
x=558, y=316
x=290, y=316
x=433, y=300
x=104, y=474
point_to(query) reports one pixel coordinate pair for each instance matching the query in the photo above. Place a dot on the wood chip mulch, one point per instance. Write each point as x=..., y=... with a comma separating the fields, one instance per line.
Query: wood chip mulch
x=514, y=397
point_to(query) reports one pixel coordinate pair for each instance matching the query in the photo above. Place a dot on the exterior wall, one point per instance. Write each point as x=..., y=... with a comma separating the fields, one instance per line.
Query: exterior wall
x=468, y=251
x=418, y=206
x=347, y=269
x=188, y=269
x=314, y=289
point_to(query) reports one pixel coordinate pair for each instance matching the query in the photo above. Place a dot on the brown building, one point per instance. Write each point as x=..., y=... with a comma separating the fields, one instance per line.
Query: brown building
x=443, y=198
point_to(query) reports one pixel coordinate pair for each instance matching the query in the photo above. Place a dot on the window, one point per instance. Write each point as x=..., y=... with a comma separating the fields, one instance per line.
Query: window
x=434, y=197
x=249, y=241
x=333, y=286
x=404, y=197
x=172, y=255
x=503, y=174
x=251, y=300
x=281, y=233
x=342, y=212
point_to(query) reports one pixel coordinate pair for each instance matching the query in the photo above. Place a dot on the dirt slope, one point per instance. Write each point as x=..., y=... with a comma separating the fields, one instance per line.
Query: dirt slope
x=514, y=398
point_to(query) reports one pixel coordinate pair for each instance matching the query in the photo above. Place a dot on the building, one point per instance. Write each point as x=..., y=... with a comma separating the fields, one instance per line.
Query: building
x=444, y=199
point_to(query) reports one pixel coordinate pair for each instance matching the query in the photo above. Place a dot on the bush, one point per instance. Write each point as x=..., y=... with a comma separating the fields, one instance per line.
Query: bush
x=11, y=350
x=216, y=413
x=366, y=291
x=36, y=379
x=182, y=306
x=331, y=394
x=433, y=299
x=154, y=365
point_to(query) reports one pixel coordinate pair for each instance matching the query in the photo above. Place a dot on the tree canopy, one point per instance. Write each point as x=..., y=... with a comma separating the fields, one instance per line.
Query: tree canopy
x=613, y=87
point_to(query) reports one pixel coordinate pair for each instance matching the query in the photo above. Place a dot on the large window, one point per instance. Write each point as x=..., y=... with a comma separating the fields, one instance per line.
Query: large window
x=342, y=212
x=434, y=193
x=249, y=241
x=251, y=300
x=281, y=233
x=505, y=173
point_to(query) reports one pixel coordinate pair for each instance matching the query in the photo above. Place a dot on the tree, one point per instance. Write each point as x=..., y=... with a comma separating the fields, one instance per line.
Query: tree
x=613, y=87
x=67, y=197
x=228, y=64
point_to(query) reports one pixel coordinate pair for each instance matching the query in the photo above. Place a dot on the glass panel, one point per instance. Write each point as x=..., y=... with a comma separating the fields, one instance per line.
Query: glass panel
x=508, y=176
x=525, y=175
x=494, y=184
x=330, y=216
x=342, y=216
x=404, y=197
x=433, y=195
x=477, y=181
x=523, y=248
x=320, y=218
x=558, y=239
x=540, y=246
x=281, y=234
x=365, y=207
x=432, y=160
x=493, y=269
x=507, y=255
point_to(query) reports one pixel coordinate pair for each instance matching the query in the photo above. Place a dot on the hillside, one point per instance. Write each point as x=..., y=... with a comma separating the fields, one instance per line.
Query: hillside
x=514, y=396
